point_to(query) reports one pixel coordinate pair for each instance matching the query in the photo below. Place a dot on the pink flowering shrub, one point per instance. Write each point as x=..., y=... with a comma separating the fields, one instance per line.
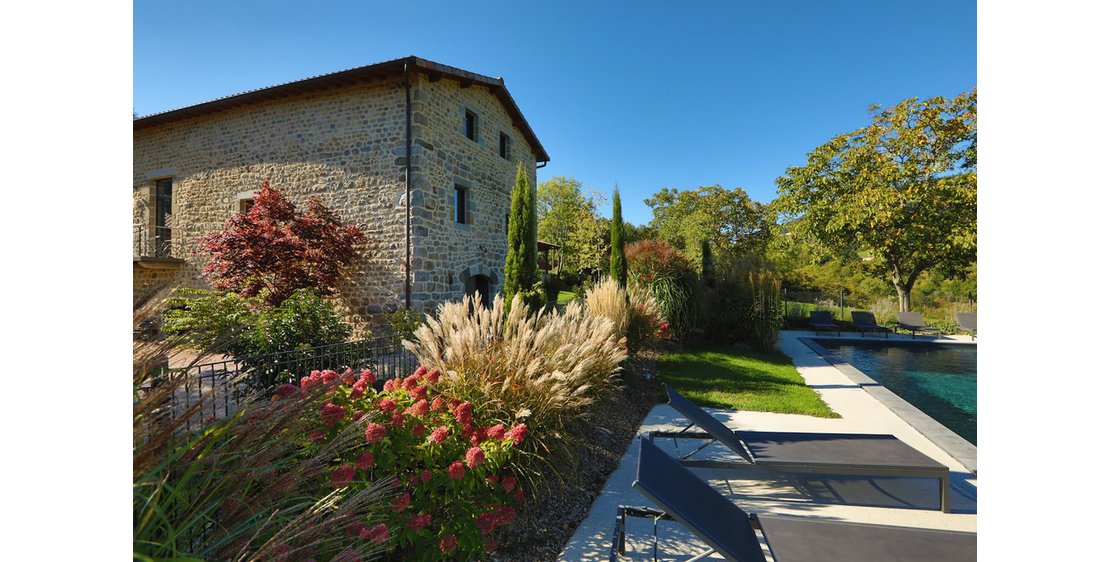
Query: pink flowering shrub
x=453, y=491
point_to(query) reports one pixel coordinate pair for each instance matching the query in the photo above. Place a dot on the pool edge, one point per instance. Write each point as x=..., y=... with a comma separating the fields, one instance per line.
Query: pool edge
x=959, y=448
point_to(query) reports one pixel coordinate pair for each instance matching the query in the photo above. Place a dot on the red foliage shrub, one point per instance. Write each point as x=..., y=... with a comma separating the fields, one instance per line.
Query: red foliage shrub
x=648, y=259
x=276, y=248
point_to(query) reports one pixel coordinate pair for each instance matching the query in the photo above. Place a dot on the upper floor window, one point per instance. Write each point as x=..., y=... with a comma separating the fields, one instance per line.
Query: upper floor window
x=504, y=146
x=245, y=205
x=470, y=125
x=460, y=204
x=163, y=207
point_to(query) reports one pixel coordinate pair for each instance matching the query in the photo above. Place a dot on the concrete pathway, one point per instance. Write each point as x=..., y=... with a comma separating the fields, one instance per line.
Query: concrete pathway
x=889, y=501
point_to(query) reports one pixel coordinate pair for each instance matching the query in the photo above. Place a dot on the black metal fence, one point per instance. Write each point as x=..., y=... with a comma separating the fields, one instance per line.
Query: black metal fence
x=223, y=386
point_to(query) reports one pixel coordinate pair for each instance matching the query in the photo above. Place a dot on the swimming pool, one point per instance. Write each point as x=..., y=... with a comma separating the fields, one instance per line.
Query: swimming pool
x=938, y=379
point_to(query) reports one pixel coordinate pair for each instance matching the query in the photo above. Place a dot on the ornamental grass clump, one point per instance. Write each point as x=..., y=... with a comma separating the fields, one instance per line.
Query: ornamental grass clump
x=634, y=312
x=545, y=369
x=447, y=461
x=238, y=488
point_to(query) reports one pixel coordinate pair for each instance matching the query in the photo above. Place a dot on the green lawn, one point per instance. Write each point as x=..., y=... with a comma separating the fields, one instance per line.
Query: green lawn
x=726, y=377
x=565, y=297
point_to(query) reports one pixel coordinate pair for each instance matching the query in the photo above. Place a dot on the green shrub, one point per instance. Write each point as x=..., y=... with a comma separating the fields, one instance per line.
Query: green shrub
x=404, y=323
x=227, y=323
x=673, y=282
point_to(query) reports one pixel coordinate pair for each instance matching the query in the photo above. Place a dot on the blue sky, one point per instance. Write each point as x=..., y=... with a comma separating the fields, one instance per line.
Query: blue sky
x=647, y=94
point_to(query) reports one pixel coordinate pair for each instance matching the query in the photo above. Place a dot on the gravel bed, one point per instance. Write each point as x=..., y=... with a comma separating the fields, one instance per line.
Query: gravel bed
x=544, y=528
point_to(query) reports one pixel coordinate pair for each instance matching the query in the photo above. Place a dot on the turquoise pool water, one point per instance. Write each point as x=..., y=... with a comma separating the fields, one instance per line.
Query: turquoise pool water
x=938, y=379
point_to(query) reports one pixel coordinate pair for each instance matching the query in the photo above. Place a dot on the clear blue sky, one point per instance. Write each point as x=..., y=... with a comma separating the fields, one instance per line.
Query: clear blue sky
x=647, y=94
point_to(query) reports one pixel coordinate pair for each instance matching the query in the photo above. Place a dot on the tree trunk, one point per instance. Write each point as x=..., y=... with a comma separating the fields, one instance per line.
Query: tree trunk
x=904, y=286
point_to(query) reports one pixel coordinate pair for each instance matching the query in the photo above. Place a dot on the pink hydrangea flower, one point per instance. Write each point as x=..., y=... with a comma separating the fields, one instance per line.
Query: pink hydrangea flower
x=397, y=420
x=342, y=475
x=489, y=545
x=377, y=534
x=419, y=430
x=419, y=521
x=358, y=390
x=432, y=376
x=387, y=405
x=390, y=385
x=518, y=495
x=420, y=408
x=426, y=476
x=464, y=413
x=328, y=376
x=456, y=470
x=411, y=381
x=505, y=515
x=317, y=436
x=517, y=433
x=438, y=404
x=374, y=432
x=331, y=414
x=286, y=390
x=486, y=522
x=419, y=372
x=401, y=502
x=438, y=434
x=508, y=483
x=419, y=392
x=447, y=544
x=496, y=433
x=348, y=377
x=475, y=457
x=365, y=460
x=367, y=377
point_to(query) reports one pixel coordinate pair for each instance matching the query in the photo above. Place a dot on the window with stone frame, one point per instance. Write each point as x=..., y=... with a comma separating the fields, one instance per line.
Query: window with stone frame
x=460, y=204
x=245, y=205
x=505, y=147
x=470, y=125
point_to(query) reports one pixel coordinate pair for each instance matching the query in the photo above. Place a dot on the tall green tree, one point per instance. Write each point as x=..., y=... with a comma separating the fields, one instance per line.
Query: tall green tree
x=618, y=266
x=568, y=217
x=901, y=191
x=521, y=259
x=733, y=224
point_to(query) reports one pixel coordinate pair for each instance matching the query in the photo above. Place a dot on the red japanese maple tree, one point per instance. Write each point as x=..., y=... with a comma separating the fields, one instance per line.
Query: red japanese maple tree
x=276, y=247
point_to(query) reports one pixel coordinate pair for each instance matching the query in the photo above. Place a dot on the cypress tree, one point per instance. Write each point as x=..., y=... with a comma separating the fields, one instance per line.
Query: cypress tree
x=521, y=259
x=618, y=267
x=708, y=270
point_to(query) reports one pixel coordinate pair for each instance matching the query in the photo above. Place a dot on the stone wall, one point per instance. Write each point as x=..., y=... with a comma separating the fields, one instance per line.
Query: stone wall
x=347, y=146
x=446, y=252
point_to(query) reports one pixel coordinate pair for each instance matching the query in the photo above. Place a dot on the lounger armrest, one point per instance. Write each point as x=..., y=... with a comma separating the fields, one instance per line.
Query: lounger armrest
x=667, y=434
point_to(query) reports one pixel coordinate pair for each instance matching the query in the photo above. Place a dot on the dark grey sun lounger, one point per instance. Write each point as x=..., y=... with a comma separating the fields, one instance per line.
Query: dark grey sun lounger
x=861, y=454
x=912, y=322
x=865, y=322
x=731, y=532
x=968, y=321
x=822, y=320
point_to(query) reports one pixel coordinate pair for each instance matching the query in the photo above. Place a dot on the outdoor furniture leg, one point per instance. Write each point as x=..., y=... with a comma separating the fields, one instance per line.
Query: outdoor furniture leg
x=945, y=494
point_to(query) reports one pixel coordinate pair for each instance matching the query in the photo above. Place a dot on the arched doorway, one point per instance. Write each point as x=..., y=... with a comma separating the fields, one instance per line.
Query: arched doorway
x=479, y=279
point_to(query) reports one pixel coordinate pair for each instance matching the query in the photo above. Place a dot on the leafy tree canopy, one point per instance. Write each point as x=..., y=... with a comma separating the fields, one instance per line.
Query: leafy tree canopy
x=733, y=224
x=568, y=218
x=901, y=191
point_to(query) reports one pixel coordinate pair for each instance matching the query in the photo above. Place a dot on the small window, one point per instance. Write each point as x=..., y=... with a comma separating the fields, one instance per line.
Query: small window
x=460, y=204
x=471, y=125
x=245, y=205
x=504, y=146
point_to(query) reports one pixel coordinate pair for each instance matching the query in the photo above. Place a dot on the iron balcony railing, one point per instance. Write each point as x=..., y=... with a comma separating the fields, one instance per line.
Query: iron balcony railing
x=225, y=385
x=156, y=242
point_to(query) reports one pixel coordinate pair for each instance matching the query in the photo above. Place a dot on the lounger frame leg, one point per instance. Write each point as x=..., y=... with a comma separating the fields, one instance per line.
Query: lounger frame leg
x=945, y=494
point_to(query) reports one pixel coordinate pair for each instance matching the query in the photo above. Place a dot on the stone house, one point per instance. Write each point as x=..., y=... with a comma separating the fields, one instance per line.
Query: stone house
x=420, y=155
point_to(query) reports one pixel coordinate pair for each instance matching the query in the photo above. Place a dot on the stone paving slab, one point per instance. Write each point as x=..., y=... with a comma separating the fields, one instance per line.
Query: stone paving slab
x=889, y=501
